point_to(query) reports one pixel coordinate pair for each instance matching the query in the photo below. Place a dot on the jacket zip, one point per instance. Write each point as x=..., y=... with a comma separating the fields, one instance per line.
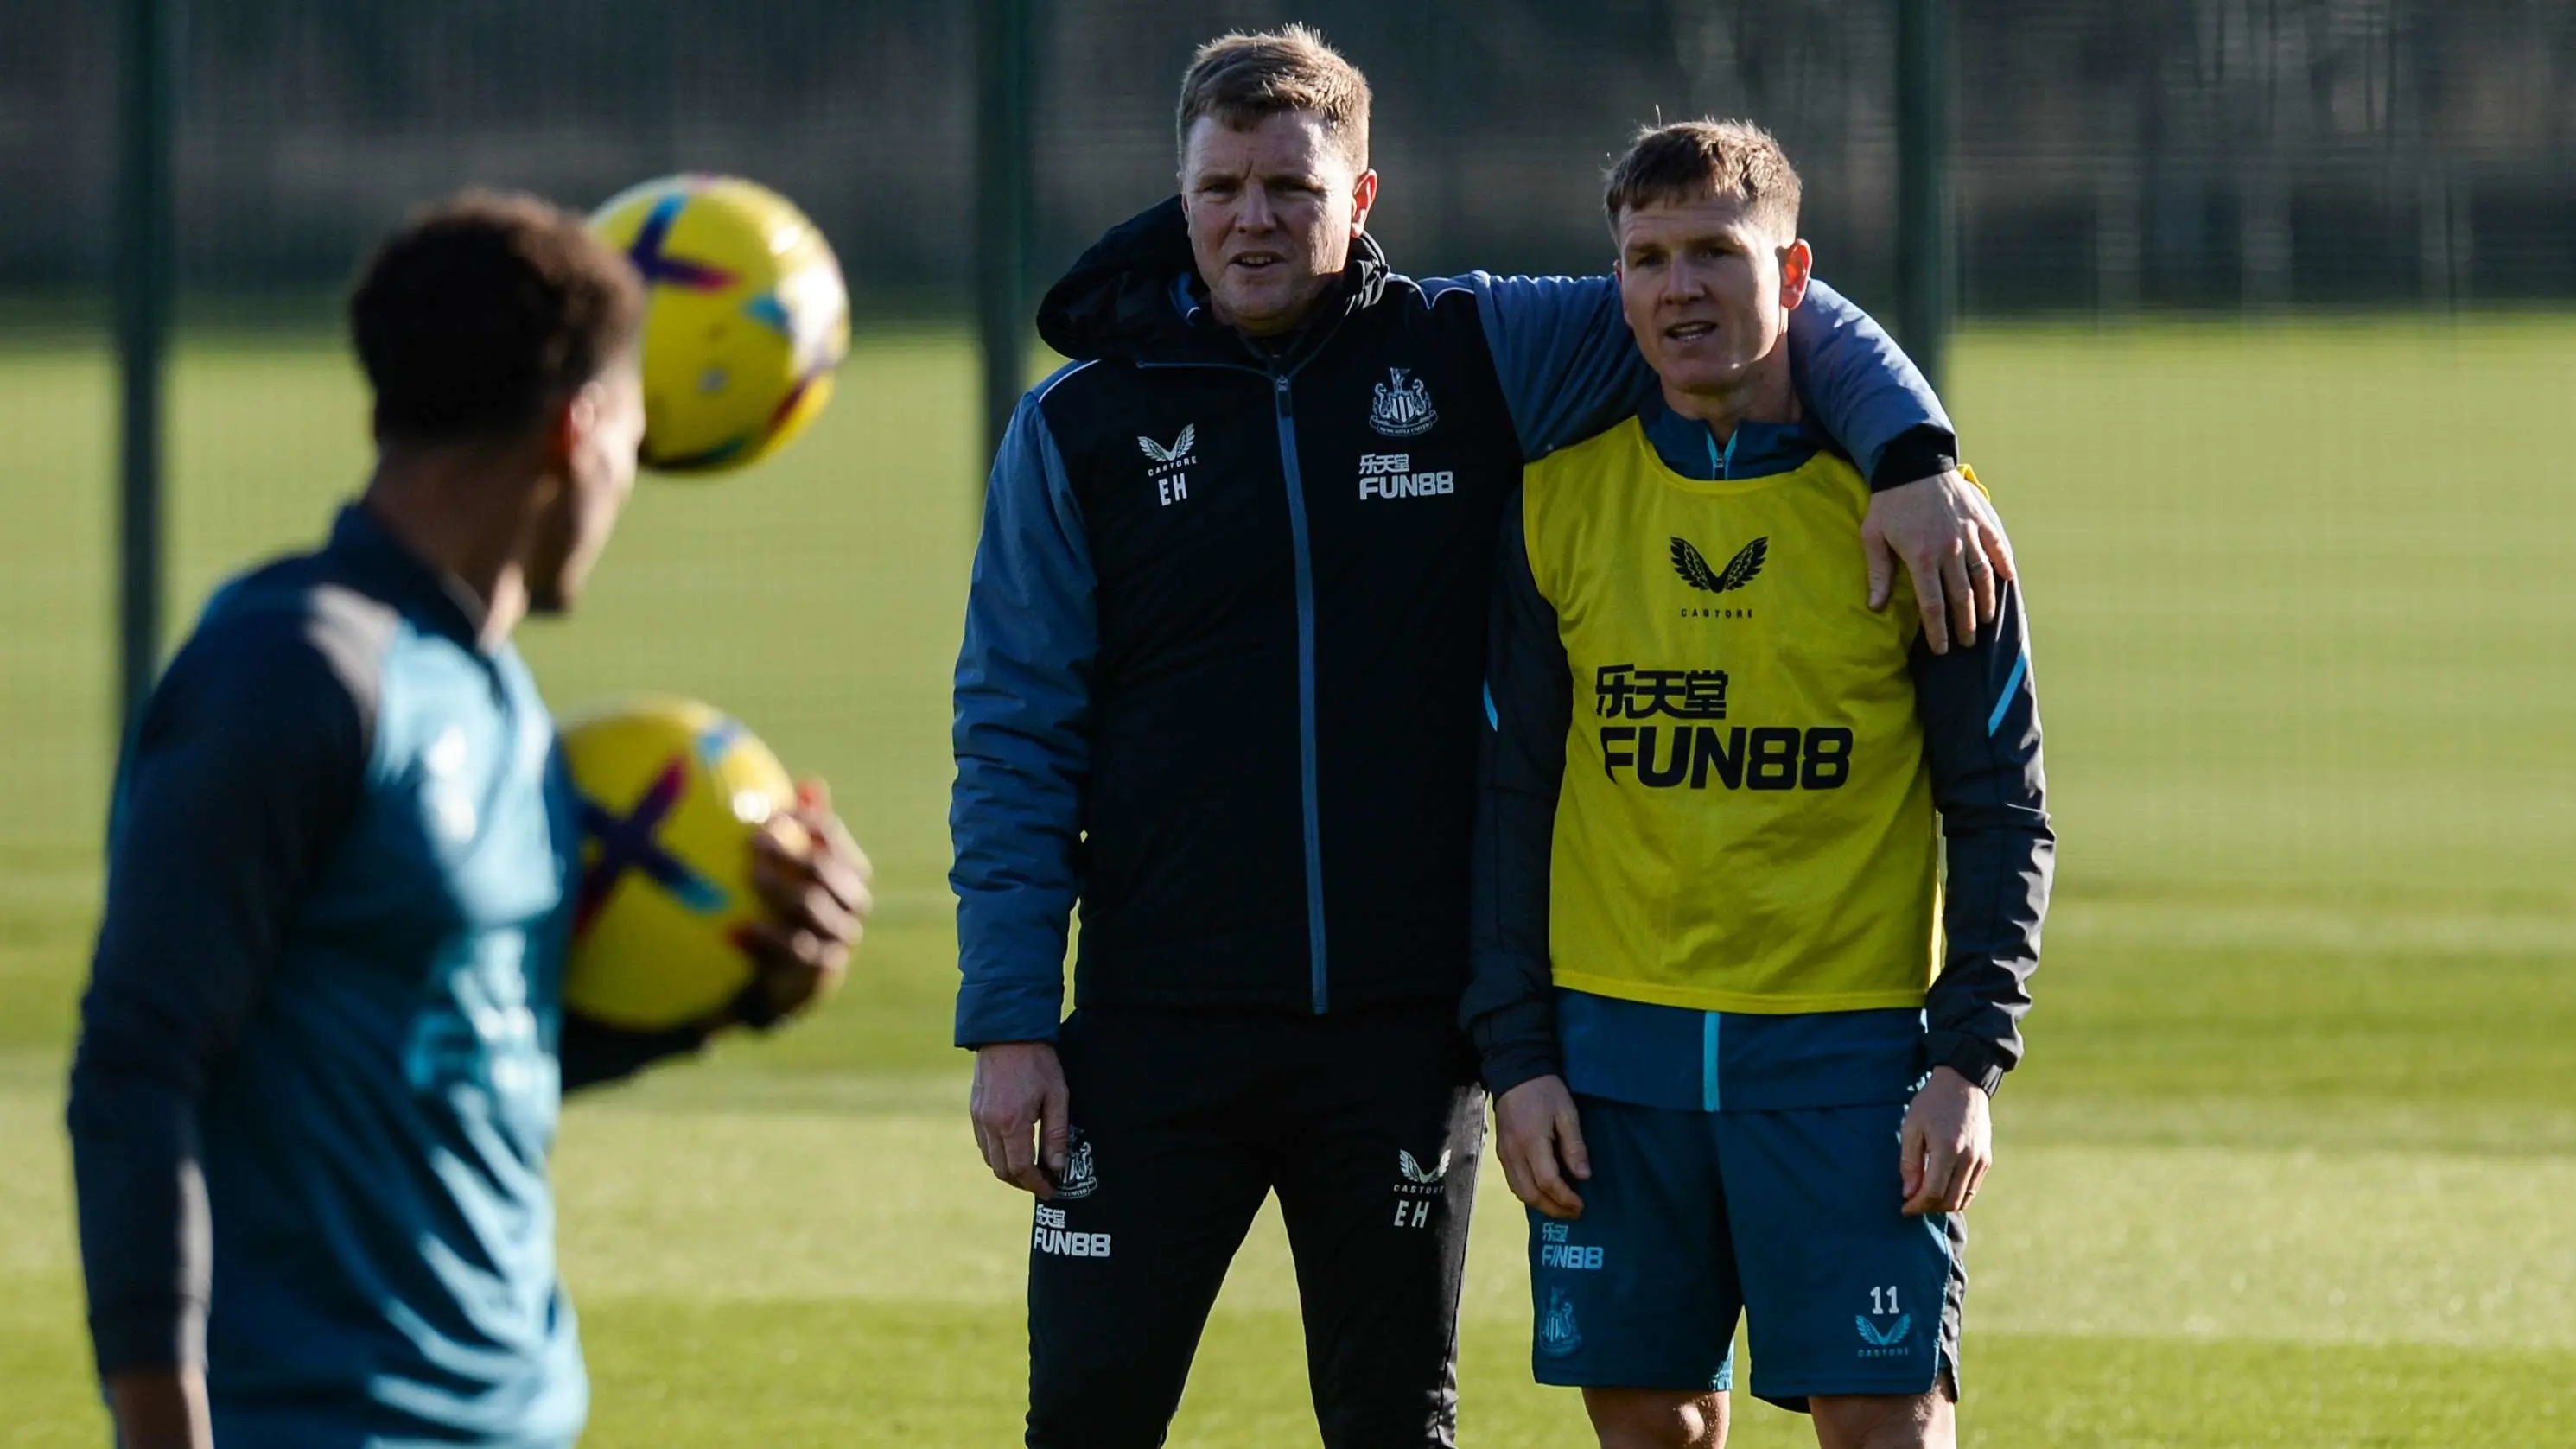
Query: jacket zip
x=1308, y=771
x=1306, y=765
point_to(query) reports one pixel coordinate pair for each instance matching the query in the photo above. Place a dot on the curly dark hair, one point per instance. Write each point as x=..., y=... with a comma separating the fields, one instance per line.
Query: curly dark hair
x=483, y=310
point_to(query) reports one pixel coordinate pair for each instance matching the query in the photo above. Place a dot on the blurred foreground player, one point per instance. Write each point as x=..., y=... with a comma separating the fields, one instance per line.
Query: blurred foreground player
x=324, y=1046
x=1731, y=1075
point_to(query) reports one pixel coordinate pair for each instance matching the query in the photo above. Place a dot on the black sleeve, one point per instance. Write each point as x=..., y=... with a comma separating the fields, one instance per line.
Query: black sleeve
x=1980, y=714
x=243, y=775
x=595, y=1054
x=1510, y=1006
x=1919, y=452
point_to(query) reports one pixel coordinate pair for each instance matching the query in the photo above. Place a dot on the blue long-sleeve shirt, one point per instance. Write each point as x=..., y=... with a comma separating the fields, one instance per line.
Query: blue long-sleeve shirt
x=323, y=1041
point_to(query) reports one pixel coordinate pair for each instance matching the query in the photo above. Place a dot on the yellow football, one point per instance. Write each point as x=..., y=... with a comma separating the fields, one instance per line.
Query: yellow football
x=745, y=317
x=671, y=794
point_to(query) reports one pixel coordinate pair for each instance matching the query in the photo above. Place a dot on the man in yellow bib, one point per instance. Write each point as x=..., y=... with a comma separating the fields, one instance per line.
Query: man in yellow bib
x=1759, y=878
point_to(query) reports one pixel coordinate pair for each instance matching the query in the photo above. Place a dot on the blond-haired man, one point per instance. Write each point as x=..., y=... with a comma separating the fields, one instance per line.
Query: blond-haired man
x=1735, y=1071
x=1220, y=686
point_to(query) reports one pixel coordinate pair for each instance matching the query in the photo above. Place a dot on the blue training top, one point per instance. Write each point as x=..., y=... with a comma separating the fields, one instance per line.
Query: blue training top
x=319, y=1053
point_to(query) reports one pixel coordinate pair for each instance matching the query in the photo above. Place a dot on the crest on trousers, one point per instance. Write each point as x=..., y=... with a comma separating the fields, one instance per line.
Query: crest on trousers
x=1402, y=408
x=1081, y=1174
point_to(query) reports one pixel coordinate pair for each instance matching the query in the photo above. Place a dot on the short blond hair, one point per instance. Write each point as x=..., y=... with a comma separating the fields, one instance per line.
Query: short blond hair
x=1736, y=160
x=1244, y=78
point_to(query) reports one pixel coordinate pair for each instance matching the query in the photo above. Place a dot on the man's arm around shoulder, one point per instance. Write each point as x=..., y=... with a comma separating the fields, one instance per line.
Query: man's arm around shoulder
x=1569, y=369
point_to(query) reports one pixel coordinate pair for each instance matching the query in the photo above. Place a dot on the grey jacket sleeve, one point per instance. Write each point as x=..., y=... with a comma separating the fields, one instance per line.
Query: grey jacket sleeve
x=1023, y=742
x=1509, y=1010
x=1980, y=714
x=243, y=774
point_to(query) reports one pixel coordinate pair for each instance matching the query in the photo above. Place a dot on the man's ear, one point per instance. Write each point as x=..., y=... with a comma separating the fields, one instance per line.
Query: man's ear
x=1797, y=265
x=1363, y=201
x=569, y=419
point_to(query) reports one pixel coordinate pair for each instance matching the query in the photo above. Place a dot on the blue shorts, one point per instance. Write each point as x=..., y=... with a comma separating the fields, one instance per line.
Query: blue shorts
x=1790, y=1218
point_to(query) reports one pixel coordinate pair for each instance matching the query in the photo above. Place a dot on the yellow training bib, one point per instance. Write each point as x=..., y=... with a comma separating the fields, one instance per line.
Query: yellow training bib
x=1746, y=822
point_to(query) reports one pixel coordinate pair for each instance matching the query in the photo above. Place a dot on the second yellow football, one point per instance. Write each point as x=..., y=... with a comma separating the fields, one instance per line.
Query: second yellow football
x=671, y=794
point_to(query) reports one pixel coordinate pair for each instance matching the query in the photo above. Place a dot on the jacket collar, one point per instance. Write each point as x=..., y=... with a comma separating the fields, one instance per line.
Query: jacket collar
x=419, y=588
x=1137, y=295
x=1755, y=450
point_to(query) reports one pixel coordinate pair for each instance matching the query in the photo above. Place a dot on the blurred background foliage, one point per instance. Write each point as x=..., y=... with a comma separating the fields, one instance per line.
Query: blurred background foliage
x=2111, y=154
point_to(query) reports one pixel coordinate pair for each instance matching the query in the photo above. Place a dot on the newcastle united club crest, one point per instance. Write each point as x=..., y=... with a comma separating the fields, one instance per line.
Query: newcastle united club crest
x=1403, y=407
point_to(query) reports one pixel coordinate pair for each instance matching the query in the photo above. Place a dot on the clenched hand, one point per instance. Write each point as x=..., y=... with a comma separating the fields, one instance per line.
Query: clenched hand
x=1019, y=1088
x=1540, y=1140
x=1947, y=1144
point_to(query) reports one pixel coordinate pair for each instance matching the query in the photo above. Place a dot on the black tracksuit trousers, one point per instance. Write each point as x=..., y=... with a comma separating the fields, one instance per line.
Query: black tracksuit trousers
x=1368, y=1125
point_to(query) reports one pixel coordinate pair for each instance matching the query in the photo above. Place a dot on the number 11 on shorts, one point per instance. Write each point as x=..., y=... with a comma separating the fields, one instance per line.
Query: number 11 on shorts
x=1882, y=1301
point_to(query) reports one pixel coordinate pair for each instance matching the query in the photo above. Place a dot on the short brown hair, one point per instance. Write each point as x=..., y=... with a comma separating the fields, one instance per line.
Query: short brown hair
x=1243, y=79
x=1682, y=161
x=483, y=310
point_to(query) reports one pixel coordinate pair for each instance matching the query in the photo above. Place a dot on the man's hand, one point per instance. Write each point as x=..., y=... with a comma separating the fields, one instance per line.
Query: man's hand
x=814, y=880
x=1948, y=1143
x=1540, y=1139
x=1019, y=1086
x=1952, y=544
x=160, y=1409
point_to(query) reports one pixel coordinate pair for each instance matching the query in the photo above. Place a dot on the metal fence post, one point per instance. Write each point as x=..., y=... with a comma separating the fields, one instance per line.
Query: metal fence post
x=1924, y=231
x=145, y=283
x=1004, y=189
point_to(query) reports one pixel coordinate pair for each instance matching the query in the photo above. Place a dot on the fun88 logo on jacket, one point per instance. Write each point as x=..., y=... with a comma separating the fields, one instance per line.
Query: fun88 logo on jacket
x=1391, y=475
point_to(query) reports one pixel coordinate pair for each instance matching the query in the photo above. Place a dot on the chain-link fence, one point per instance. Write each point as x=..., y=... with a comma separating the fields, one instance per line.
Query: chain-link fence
x=2193, y=153
x=2257, y=493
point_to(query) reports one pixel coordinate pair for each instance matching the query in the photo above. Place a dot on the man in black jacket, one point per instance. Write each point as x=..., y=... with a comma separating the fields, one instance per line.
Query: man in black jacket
x=1221, y=683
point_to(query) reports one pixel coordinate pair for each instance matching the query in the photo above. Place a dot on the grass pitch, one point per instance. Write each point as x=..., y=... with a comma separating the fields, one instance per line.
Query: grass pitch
x=2290, y=1163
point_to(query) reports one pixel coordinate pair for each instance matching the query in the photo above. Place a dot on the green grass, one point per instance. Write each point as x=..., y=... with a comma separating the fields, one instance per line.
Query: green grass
x=2291, y=1160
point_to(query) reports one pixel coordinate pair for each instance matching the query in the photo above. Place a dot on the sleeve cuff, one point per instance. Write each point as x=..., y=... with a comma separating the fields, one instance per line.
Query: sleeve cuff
x=594, y=1054
x=1922, y=451
x=1508, y=1069
x=163, y=1336
x=1516, y=1044
x=1017, y=1011
x=1980, y=1061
